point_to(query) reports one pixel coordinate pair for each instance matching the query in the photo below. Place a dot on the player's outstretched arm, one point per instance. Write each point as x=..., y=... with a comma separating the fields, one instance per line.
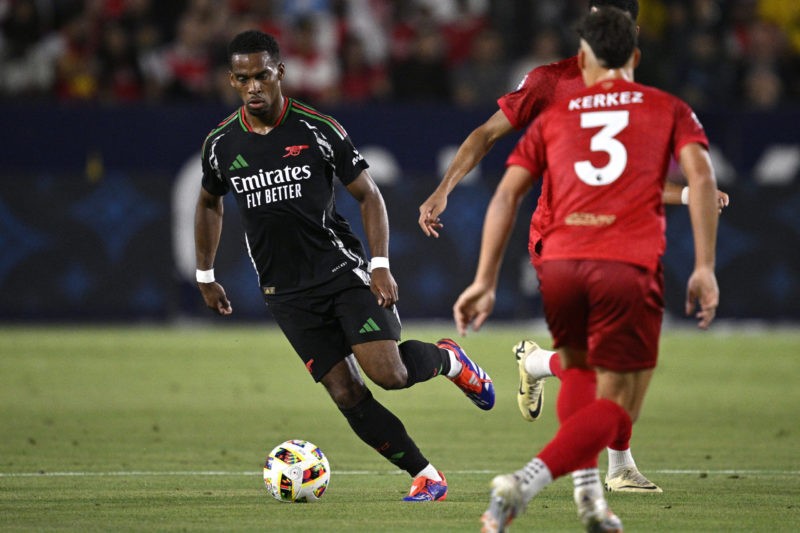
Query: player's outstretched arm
x=207, y=232
x=376, y=227
x=673, y=195
x=476, y=303
x=472, y=150
x=702, y=290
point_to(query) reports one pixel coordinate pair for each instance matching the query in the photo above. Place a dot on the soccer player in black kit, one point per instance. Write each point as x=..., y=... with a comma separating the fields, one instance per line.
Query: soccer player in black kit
x=278, y=157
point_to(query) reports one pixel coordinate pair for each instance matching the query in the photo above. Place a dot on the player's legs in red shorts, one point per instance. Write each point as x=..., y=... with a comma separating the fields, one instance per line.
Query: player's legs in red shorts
x=601, y=314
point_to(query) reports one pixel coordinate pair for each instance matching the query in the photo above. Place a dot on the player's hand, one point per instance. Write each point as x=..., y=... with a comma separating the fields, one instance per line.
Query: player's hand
x=722, y=200
x=215, y=298
x=702, y=290
x=384, y=287
x=473, y=307
x=429, y=213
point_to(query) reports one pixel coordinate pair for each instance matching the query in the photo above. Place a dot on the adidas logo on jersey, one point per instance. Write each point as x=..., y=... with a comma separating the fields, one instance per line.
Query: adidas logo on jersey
x=238, y=163
x=369, y=327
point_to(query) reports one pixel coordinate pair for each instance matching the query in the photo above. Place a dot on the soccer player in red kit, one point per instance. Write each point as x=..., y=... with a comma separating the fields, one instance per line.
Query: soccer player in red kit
x=604, y=153
x=541, y=87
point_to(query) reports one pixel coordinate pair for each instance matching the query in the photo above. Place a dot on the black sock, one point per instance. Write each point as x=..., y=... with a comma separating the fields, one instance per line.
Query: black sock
x=423, y=361
x=382, y=430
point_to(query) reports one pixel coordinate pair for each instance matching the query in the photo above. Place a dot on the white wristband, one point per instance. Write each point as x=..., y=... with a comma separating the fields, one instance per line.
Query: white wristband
x=205, y=276
x=685, y=195
x=378, y=262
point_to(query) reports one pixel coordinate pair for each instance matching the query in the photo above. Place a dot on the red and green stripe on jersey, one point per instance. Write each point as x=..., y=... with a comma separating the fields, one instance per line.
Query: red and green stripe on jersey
x=230, y=118
x=310, y=112
x=290, y=106
x=281, y=118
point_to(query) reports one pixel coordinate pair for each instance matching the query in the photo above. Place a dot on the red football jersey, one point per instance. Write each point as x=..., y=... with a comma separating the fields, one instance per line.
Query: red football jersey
x=604, y=153
x=541, y=87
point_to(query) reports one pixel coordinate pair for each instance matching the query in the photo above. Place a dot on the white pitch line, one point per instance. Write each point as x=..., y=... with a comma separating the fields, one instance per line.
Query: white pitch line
x=190, y=473
x=731, y=472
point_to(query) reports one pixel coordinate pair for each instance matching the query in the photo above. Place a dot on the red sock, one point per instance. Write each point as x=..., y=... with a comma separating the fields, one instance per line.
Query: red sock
x=578, y=389
x=583, y=436
x=555, y=365
x=577, y=396
x=622, y=441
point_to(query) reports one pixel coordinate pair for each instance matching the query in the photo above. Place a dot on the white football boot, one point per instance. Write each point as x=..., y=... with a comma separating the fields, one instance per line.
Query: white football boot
x=530, y=395
x=629, y=480
x=505, y=503
x=594, y=513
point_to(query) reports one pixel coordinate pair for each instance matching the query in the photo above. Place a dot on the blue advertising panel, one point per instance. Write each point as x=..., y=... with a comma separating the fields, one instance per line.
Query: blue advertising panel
x=96, y=214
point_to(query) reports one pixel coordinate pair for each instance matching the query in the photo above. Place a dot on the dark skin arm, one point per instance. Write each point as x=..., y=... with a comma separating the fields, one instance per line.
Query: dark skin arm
x=376, y=226
x=207, y=232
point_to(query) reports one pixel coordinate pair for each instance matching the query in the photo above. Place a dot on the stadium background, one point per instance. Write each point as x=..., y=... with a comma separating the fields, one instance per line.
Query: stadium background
x=105, y=104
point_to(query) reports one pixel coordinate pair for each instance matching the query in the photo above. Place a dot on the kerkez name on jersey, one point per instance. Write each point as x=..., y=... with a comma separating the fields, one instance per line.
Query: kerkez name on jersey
x=594, y=101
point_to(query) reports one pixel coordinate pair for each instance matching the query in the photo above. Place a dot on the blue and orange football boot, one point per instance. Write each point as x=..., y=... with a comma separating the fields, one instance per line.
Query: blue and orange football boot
x=425, y=489
x=472, y=379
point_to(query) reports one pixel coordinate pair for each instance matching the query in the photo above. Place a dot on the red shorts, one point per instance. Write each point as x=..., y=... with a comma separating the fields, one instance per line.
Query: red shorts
x=613, y=310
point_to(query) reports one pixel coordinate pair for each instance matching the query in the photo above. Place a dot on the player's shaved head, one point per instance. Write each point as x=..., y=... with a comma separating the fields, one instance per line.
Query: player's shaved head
x=254, y=42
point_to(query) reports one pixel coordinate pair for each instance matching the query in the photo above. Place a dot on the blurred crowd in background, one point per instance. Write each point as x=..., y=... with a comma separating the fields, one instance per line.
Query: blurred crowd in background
x=713, y=53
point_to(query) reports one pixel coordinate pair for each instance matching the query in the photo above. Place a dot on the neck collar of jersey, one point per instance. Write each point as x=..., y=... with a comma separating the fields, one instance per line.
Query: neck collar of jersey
x=246, y=126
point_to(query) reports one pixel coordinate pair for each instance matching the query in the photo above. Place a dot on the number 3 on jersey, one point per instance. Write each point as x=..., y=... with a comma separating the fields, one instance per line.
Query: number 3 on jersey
x=612, y=122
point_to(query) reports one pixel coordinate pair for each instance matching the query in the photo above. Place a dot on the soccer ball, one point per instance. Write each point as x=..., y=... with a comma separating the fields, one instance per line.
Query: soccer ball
x=296, y=471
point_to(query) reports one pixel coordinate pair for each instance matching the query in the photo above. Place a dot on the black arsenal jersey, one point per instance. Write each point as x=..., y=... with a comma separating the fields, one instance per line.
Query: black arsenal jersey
x=283, y=185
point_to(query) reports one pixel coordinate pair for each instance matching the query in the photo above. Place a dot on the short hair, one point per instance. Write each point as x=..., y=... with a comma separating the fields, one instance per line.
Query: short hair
x=253, y=42
x=629, y=6
x=611, y=34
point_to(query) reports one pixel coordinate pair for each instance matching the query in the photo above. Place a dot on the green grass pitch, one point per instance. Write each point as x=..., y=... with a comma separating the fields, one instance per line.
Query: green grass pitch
x=166, y=429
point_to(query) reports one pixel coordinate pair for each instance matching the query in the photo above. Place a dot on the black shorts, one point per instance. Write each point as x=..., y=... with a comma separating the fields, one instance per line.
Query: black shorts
x=324, y=322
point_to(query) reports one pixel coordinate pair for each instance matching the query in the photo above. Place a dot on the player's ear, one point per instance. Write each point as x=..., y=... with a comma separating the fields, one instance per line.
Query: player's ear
x=281, y=71
x=637, y=57
x=231, y=79
x=581, y=58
